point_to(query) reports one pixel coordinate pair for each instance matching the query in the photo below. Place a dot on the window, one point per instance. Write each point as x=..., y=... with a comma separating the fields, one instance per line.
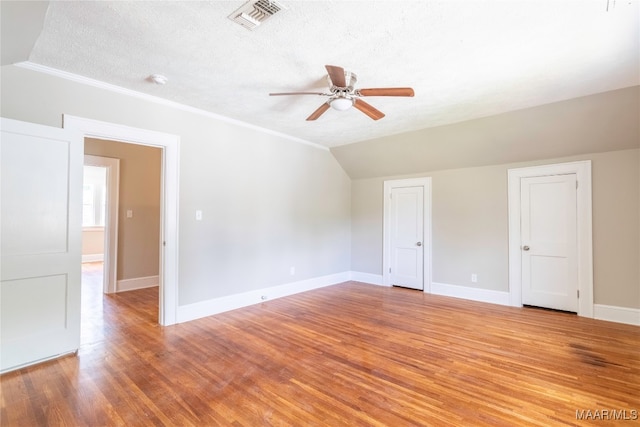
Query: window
x=94, y=196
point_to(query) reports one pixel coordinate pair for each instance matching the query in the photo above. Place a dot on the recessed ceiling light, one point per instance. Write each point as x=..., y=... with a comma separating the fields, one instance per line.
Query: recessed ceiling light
x=158, y=79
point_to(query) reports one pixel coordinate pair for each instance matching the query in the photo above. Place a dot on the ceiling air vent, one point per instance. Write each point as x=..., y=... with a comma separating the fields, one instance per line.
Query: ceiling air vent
x=255, y=12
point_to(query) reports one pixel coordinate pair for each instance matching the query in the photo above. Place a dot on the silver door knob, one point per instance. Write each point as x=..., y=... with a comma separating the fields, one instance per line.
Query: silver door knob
x=525, y=248
x=419, y=244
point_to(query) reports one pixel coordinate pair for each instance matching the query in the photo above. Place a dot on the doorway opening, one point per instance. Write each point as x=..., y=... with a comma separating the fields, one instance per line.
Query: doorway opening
x=100, y=216
x=95, y=201
x=121, y=225
x=167, y=244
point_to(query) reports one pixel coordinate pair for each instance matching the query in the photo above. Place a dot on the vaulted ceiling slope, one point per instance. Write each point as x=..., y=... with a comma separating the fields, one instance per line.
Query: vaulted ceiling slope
x=465, y=59
x=597, y=123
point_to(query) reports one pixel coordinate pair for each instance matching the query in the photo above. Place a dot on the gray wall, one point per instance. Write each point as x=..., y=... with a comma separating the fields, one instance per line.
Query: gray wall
x=268, y=203
x=470, y=225
x=468, y=163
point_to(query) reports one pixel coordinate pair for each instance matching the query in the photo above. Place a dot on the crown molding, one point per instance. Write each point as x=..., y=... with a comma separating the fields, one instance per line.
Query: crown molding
x=157, y=100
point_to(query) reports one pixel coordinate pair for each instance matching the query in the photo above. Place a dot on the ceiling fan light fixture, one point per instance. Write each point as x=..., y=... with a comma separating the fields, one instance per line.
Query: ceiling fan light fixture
x=341, y=104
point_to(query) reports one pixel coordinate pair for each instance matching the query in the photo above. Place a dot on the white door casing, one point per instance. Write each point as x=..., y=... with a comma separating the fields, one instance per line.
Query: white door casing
x=407, y=233
x=549, y=242
x=111, y=221
x=582, y=171
x=169, y=144
x=41, y=233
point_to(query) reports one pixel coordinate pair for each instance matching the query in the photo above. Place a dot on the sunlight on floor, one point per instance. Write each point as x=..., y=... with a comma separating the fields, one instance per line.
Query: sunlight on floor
x=92, y=309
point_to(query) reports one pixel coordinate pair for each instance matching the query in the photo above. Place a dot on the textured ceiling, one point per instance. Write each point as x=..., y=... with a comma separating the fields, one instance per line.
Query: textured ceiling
x=464, y=59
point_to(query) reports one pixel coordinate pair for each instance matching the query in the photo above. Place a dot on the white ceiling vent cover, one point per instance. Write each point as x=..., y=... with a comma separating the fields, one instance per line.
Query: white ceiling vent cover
x=255, y=12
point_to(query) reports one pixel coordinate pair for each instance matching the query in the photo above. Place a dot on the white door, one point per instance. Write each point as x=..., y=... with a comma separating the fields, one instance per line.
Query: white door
x=40, y=223
x=549, y=242
x=407, y=223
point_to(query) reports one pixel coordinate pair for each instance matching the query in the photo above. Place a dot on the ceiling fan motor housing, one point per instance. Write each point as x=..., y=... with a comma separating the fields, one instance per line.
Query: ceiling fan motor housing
x=342, y=98
x=350, y=79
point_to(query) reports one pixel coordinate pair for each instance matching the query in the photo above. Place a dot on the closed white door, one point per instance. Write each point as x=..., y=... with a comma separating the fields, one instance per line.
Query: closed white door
x=407, y=250
x=549, y=242
x=41, y=174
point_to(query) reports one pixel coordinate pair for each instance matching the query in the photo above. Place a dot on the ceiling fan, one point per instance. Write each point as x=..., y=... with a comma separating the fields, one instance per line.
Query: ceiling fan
x=343, y=96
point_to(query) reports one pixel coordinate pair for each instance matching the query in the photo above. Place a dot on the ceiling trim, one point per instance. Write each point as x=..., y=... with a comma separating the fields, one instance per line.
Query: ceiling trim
x=128, y=92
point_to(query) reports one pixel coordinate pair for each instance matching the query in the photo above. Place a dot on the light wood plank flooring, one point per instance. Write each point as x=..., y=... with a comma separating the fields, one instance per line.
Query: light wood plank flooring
x=350, y=354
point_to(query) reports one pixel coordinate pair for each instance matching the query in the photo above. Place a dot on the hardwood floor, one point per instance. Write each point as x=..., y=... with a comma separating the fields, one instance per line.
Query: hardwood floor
x=350, y=354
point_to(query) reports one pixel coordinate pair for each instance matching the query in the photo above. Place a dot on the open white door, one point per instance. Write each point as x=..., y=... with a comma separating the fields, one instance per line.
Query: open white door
x=40, y=250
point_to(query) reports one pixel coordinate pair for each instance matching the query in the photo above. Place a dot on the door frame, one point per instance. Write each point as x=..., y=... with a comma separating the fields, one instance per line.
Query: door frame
x=112, y=165
x=168, y=274
x=582, y=170
x=389, y=185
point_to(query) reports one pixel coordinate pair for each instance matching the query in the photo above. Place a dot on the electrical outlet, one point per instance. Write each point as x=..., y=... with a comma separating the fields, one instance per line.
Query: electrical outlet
x=129, y=213
x=198, y=215
x=474, y=278
x=292, y=271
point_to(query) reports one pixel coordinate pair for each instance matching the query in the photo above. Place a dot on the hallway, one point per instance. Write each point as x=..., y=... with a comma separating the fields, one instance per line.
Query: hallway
x=105, y=314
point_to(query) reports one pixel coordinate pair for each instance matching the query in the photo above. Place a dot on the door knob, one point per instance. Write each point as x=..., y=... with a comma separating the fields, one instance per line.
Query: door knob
x=525, y=248
x=419, y=244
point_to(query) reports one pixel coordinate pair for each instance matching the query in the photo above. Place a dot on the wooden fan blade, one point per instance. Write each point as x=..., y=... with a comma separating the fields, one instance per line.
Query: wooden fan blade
x=336, y=74
x=387, y=91
x=324, y=107
x=368, y=109
x=299, y=93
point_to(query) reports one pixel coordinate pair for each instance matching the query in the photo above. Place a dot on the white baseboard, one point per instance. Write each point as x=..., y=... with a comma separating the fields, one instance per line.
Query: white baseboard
x=92, y=257
x=219, y=305
x=232, y=302
x=474, y=294
x=630, y=316
x=372, y=279
x=136, y=283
